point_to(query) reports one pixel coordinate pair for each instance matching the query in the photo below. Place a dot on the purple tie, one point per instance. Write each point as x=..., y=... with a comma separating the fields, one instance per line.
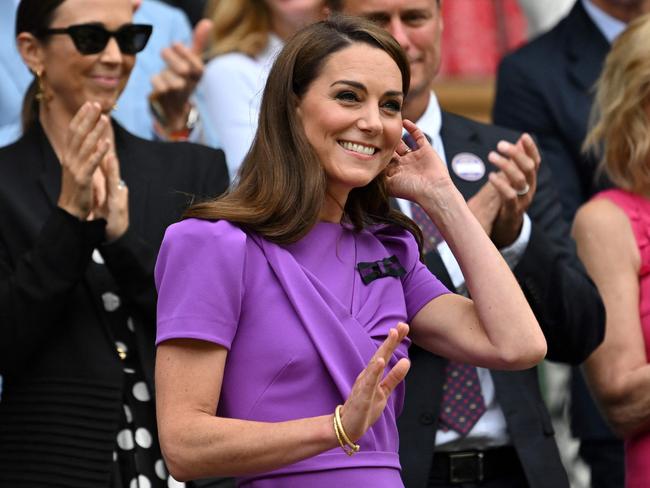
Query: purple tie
x=430, y=232
x=462, y=401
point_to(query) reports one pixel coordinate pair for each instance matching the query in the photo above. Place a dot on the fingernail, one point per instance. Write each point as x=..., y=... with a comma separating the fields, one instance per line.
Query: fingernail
x=492, y=156
x=503, y=146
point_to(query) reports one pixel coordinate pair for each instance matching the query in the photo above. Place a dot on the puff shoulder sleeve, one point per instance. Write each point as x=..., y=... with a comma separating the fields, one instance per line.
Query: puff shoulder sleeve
x=199, y=276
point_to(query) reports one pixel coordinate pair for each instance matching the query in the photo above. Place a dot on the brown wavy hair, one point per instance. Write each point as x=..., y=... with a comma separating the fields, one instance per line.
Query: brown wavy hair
x=282, y=184
x=620, y=118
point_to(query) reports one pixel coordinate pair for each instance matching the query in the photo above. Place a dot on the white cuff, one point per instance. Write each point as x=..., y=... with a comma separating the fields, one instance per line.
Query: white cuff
x=513, y=253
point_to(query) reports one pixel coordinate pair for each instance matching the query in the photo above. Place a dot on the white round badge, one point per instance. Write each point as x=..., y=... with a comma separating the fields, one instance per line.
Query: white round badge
x=468, y=166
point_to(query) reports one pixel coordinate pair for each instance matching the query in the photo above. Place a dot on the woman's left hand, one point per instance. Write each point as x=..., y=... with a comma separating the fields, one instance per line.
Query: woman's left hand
x=115, y=206
x=413, y=173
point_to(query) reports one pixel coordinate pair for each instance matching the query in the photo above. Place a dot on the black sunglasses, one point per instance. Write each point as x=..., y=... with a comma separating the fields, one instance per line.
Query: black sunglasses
x=93, y=38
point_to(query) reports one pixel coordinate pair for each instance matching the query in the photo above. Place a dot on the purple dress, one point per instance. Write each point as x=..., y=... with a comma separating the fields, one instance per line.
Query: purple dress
x=299, y=324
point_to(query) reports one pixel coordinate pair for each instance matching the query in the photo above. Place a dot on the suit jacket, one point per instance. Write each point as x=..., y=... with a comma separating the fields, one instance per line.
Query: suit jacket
x=63, y=379
x=546, y=88
x=564, y=300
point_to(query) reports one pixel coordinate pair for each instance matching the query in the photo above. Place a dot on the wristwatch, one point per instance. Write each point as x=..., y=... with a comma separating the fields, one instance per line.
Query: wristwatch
x=160, y=123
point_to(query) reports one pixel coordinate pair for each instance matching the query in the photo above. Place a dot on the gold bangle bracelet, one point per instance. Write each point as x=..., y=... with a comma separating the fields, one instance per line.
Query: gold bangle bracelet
x=342, y=436
x=344, y=446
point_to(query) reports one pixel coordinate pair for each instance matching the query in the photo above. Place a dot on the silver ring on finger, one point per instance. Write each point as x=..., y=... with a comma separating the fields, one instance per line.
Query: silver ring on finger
x=121, y=185
x=523, y=191
x=408, y=150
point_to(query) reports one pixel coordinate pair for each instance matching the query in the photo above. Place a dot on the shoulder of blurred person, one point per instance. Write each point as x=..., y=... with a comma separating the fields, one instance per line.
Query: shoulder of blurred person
x=232, y=85
x=194, y=9
x=14, y=76
x=545, y=87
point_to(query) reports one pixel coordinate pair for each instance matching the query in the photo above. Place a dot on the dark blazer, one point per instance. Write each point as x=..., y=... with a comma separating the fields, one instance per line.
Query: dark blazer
x=546, y=87
x=564, y=300
x=62, y=377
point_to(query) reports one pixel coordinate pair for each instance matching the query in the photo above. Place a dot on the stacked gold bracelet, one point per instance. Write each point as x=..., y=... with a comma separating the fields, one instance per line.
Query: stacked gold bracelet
x=346, y=444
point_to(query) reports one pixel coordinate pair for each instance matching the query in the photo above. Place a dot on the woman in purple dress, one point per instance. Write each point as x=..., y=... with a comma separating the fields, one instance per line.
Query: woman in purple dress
x=282, y=336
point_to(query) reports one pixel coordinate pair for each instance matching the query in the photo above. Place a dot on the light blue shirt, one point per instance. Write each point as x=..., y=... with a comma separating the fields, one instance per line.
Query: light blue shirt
x=14, y=76
x=132, y=112
x=610, y=26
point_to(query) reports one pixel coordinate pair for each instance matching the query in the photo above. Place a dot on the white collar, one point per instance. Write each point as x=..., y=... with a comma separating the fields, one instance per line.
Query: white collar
x=610, y=26
x=270, y=52
x=431, y=120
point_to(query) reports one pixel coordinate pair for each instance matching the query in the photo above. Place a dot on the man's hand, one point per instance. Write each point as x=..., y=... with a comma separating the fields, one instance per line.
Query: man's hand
x=174, y=85
x=485, y=205
x=516, y=183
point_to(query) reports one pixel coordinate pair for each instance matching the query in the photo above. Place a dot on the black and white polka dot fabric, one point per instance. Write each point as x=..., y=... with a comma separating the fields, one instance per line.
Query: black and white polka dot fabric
x=137, y=461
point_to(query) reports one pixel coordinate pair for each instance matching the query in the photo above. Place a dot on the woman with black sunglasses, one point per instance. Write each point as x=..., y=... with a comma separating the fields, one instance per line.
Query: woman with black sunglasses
x=84, y=205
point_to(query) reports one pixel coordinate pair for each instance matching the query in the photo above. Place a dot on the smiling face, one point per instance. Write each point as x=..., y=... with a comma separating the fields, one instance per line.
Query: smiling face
x=351, y=115
x=416, y=25
x=72, y=78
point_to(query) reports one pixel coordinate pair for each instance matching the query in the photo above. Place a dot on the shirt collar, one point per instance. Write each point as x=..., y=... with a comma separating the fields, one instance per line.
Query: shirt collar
x=272, y=49
x=610, y=26
x=431, y=120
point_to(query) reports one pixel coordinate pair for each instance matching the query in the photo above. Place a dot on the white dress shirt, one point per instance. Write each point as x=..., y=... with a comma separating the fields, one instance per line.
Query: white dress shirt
x=232, y=85
x=491, y=428
x=610, y=26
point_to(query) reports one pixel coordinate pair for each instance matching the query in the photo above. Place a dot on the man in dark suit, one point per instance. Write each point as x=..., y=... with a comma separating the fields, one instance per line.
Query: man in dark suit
x=511, y=441
x=546, y=88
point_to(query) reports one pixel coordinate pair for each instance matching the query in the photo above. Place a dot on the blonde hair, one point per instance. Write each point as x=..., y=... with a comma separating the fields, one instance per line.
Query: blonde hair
x=620, y=124
x=239, y=26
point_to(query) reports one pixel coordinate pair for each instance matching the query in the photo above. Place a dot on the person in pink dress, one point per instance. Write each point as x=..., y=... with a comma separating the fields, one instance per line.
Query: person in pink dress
x=612, y=232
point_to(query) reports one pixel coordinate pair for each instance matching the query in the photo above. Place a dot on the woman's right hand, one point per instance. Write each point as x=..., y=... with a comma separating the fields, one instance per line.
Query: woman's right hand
x=370, y=392
x=86, y=145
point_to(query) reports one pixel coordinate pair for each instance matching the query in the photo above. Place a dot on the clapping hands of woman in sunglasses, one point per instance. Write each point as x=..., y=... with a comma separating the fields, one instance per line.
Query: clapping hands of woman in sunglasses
x=91, y=186
x=84, y=209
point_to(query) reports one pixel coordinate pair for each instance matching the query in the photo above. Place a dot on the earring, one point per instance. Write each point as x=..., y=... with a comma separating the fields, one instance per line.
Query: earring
x=40, y=92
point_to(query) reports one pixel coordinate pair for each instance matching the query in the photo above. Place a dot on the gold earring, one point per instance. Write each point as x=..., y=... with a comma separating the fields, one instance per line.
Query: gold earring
x=41, y=94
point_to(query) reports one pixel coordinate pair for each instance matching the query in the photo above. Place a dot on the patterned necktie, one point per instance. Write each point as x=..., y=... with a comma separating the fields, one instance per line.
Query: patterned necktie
x=430, y=232
x=462, y=400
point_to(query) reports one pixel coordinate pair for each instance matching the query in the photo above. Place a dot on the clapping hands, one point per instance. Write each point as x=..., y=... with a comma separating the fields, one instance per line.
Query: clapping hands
x=91, y=186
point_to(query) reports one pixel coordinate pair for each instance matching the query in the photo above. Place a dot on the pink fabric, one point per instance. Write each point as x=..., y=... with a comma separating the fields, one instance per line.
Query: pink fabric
x=637, y=209
x=477, y=34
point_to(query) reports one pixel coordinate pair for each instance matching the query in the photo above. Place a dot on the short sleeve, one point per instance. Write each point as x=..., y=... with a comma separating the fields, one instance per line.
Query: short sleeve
x=419, y=284
x=199, y=276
